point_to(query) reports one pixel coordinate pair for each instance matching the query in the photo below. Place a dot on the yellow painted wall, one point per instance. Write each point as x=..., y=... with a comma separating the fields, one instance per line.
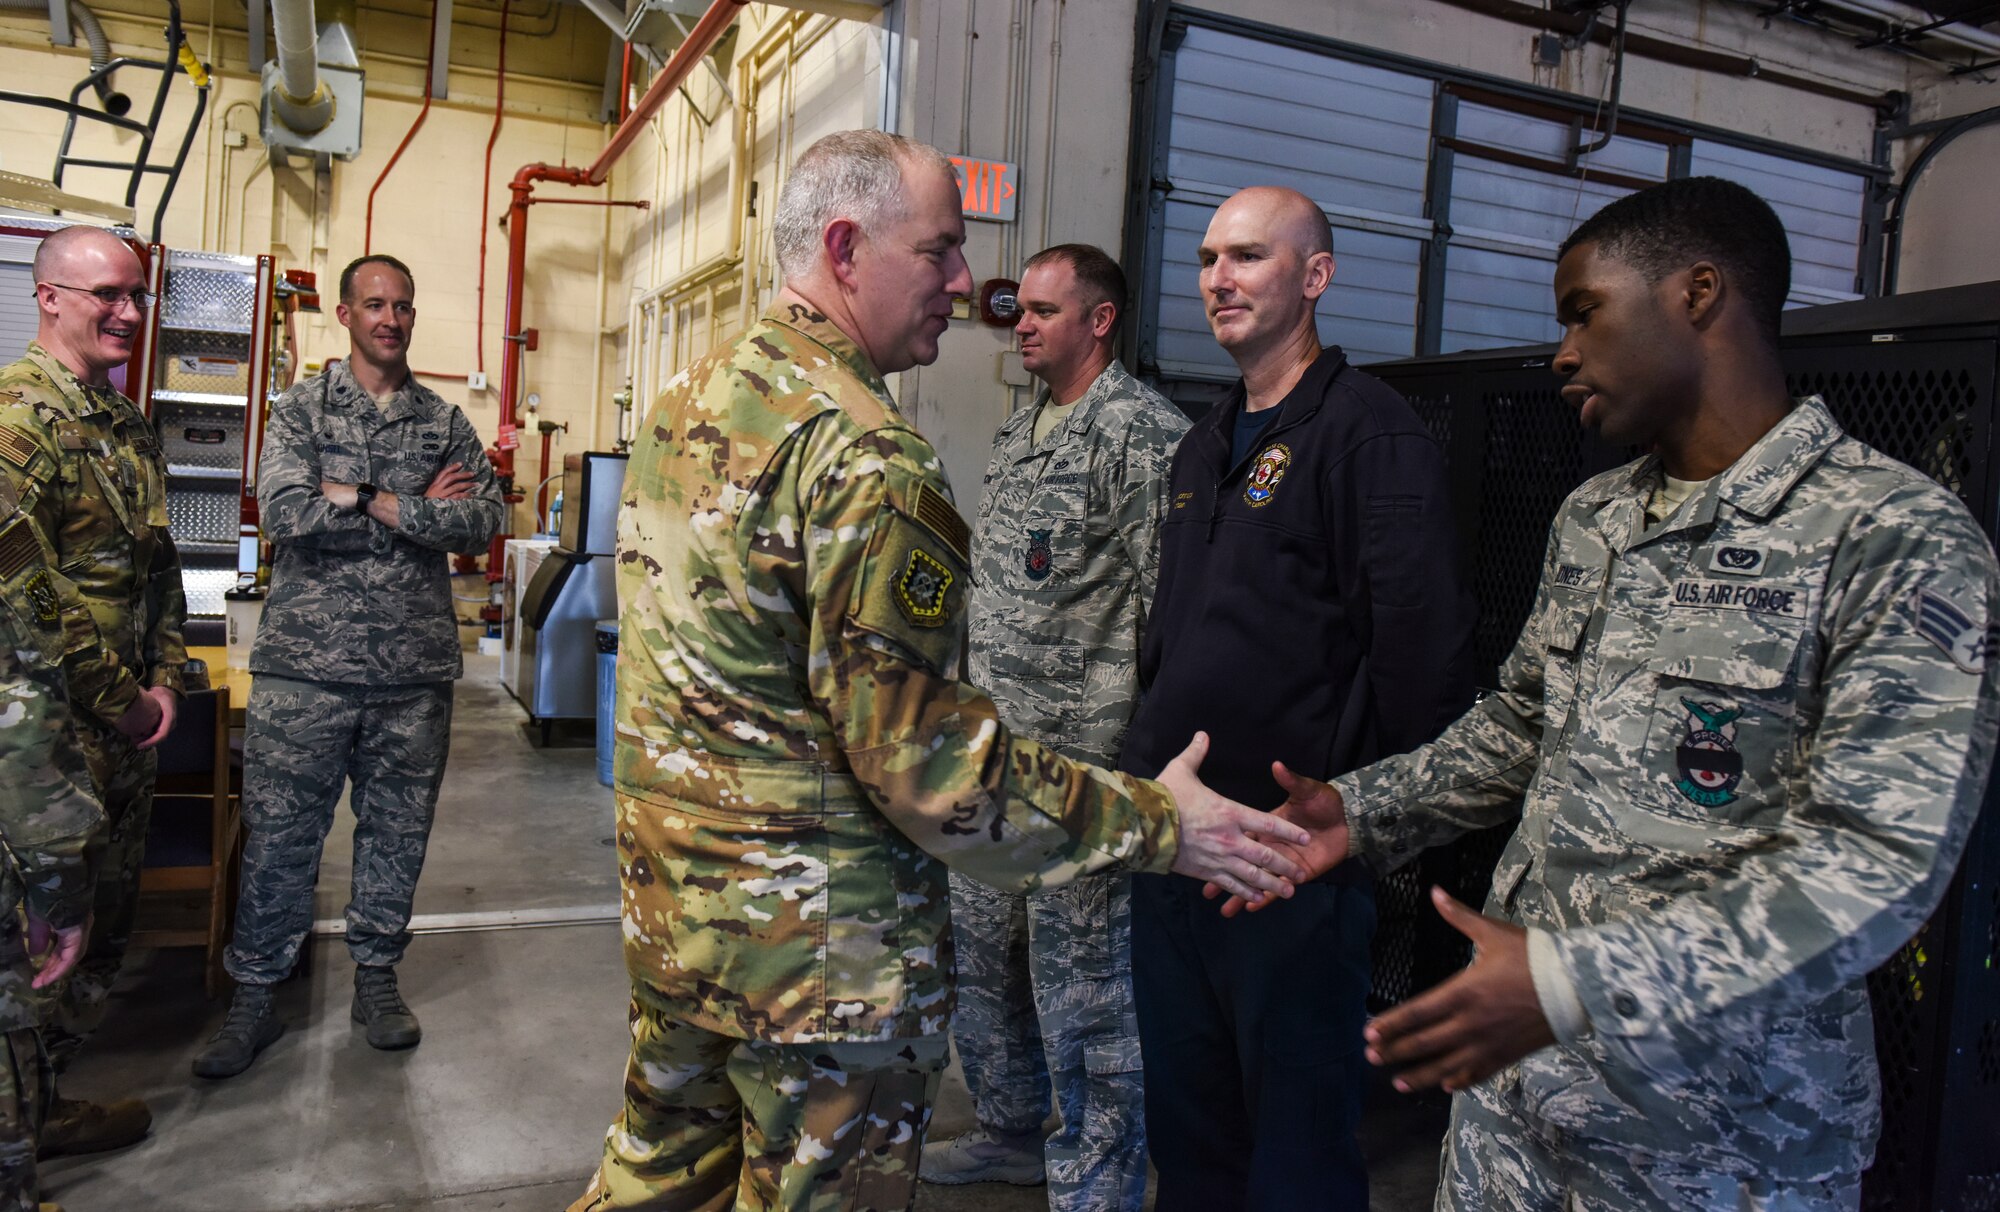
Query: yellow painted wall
x=427, y=212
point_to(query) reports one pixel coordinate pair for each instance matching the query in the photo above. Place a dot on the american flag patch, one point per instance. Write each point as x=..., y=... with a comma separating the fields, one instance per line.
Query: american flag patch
x=19, y=448
x=937, y=516
x=1952, y=630
x=18, y=548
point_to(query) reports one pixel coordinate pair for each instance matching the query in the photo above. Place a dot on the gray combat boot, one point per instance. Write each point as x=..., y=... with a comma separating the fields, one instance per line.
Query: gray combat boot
x=380, y=1008
x=250, y=1027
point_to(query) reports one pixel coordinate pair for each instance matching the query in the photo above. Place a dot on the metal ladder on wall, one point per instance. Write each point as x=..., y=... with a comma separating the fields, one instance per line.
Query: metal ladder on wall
x=179, y=58
x=206, y=394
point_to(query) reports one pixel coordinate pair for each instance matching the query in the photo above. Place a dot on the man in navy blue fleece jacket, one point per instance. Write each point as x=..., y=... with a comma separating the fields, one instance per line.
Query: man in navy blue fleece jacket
x=1309, y=610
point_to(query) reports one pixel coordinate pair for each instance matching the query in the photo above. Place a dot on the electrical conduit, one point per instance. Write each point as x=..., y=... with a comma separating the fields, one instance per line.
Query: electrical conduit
x=485, y=214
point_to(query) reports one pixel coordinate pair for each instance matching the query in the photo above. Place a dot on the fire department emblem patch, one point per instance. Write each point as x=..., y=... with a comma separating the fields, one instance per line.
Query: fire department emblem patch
x=1708, y=765
x=1265, y=473
x=1041, y=558
x=920, y=590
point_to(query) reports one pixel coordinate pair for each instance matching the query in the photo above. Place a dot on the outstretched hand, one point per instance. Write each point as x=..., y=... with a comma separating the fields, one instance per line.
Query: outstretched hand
x=1316, y=806
x=1475, y=1024
x=1237, y=849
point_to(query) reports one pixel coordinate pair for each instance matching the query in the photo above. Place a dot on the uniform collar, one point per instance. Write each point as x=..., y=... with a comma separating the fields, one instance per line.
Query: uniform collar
x=412, y=399
x=1300, y=404
x=1756, y=483
x=1111, y=383
x=73, y=389
x=814, y=327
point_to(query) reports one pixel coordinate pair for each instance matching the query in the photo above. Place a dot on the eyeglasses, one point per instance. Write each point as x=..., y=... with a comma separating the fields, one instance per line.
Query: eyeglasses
x=110, y=296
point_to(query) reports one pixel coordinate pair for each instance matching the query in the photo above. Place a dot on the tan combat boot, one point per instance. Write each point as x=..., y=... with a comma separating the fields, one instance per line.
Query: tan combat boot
x=77, y=1125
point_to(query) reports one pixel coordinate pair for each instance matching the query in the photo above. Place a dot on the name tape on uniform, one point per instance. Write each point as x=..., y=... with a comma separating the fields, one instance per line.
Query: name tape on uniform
x=1787, y=601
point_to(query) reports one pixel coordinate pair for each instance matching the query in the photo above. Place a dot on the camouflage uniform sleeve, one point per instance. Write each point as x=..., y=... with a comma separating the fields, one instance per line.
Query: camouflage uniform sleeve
x=165, y=649
x=1867, y=845
x=47, y=812
x=98, y=680
x=1473, y=775
x=468, y=524
x=289, y=502
x=887, y=571
x=1144, y=478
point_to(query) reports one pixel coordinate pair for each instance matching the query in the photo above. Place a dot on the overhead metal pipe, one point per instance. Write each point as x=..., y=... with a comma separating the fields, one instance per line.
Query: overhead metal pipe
x=299, y=98
x=701, y=39
x=114, y=102
x=513, y=339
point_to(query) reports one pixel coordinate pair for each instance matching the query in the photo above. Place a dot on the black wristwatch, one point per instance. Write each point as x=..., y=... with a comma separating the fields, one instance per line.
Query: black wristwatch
x=363, y=493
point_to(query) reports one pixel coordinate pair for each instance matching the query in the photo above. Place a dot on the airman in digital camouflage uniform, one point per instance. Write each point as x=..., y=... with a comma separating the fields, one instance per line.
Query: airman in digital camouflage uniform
x=795, y=764
x=368, y=480
x=1065, y=559
x=87, y=467
x=1747, y=728
x=47, y=815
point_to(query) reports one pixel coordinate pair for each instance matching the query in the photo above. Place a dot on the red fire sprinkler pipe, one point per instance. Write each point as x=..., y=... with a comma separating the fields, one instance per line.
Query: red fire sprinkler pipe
x=700, y=40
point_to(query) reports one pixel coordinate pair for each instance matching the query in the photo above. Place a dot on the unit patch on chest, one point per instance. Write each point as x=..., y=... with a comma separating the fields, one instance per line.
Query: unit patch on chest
x=1706, y=763
x=1265, y=474
x=1040, y=557
x=1741, y=561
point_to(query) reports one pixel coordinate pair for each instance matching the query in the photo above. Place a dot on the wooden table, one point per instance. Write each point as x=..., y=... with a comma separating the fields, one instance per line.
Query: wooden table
x=220, y=675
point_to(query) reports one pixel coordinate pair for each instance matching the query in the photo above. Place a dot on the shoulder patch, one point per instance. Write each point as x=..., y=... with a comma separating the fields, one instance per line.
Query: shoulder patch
x=19, y=548
x=922, y=589
x=16, y=446
x=913, y=591
x=1953, y=632
x=42, y=595
x=936, y=514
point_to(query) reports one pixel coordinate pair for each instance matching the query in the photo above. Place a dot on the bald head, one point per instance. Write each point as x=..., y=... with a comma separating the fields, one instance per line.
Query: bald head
x=1291, y=218
x=63, y=254
x=1266, y=259
x=90, y=291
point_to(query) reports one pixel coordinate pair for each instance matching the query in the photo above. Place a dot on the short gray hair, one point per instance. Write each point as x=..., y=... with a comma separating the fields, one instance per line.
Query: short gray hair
x=850, y=174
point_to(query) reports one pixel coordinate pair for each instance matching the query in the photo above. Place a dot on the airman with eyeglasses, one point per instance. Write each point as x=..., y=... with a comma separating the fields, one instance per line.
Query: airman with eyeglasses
x=89, y=475
x=110, y=296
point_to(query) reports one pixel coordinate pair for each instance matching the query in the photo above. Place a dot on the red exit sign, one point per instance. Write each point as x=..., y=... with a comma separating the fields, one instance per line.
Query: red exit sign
x=986, y=188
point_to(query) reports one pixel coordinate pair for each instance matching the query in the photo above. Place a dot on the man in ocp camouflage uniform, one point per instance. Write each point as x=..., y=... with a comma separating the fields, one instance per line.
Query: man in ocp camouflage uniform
x=1752, y=715
x=1065, y=559
x=47, y=816
x=87, y=469
x=795, y=764
x=368, y=480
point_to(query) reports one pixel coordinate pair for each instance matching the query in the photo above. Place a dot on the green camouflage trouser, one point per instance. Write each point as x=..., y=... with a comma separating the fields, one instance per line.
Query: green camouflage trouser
x=713, y=1123
x=303, y=743
x=1498, y=1159
x=1045, y=1000
x=123, y=777
x=26, y=1085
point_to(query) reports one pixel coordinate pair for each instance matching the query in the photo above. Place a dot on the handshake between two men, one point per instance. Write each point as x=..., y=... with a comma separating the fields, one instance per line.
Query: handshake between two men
x=1453, y=1036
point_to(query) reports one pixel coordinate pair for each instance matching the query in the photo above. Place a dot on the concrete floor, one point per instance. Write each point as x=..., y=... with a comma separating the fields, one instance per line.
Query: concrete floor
x=504, y=1105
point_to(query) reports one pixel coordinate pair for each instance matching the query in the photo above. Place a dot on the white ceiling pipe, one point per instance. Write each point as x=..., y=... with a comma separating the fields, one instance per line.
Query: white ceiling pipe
x=1958, y=33
x=299, y=98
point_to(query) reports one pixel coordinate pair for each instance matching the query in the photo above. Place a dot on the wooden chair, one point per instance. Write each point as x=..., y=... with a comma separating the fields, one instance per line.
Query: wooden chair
x=194, y=847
